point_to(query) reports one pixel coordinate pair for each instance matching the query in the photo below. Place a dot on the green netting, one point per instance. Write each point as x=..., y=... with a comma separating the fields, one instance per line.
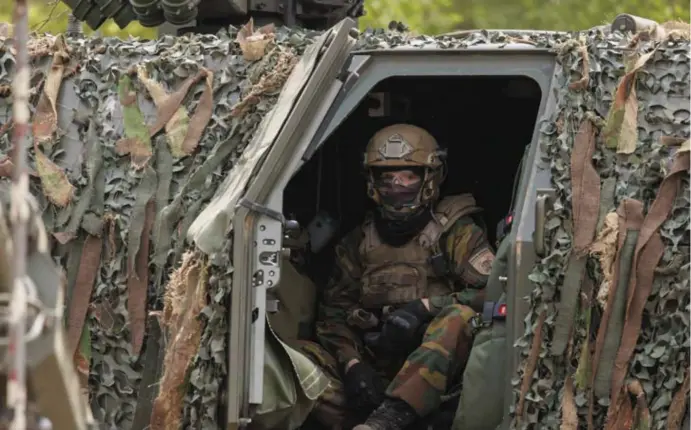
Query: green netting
x=107, y=193
x=104, y=183
x=661, y=356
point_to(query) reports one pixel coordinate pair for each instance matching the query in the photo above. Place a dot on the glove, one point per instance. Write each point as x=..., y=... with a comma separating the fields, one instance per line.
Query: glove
x=364, y=388
x=403, y=328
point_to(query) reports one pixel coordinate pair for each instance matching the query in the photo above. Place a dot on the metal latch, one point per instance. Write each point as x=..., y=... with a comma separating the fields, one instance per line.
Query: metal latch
x=491, y=311
x=476, y=323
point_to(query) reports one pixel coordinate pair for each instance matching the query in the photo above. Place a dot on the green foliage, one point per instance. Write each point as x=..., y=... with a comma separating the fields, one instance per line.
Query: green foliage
x=435, y=16
x=425, y=16
x=51, y=17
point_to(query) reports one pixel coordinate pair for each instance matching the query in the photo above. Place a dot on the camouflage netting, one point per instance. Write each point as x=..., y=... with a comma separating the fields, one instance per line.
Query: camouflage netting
x=613, y=138
x=101, y=200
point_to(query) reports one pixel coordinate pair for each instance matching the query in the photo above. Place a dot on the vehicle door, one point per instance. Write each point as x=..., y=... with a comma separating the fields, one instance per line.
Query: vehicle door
x=249, y=206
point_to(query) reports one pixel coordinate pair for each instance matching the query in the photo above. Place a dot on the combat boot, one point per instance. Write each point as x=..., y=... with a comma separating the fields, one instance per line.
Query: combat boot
x=393, y=414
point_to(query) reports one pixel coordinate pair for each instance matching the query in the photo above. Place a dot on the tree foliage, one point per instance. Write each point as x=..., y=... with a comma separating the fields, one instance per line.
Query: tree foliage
x=51, y=17
x=425, y=16
x=435, y=16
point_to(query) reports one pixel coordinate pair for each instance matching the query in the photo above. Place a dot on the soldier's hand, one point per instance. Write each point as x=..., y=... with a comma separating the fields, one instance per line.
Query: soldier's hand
x=364, y=388
x=403, y=328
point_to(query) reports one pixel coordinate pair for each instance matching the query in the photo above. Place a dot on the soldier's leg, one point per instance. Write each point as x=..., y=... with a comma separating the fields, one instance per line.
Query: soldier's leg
x=423, y=379
x=419, y=386
x=330, y=408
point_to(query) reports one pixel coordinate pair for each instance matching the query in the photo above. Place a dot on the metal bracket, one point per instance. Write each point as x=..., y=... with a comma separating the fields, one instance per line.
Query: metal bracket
x=267, y=243
x=266, y=273
x=272, y=305
x=256, y=207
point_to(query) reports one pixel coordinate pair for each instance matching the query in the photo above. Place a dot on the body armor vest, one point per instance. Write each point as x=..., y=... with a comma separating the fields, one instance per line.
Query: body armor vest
x=398, y=275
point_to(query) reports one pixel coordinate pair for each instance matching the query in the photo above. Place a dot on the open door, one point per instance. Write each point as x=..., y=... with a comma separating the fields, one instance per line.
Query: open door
x=247, y=201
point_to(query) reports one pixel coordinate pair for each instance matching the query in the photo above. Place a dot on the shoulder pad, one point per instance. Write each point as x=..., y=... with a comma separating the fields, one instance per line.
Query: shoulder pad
x=452, y=208
x=449, y=210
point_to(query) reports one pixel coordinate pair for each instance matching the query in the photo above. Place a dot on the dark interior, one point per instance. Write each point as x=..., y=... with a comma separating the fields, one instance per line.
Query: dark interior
x=485, y=123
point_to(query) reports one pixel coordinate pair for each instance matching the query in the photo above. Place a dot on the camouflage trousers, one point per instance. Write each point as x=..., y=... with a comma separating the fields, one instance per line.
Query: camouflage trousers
x=426, y=376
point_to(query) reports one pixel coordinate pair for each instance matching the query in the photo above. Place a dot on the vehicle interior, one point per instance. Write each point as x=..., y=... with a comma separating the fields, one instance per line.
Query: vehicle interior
x=484, y=123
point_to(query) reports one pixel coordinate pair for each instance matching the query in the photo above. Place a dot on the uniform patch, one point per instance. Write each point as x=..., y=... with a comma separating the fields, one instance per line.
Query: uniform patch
x=482, y=261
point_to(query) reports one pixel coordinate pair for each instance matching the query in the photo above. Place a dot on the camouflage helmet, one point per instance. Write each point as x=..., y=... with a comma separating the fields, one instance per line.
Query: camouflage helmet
x=405, y=146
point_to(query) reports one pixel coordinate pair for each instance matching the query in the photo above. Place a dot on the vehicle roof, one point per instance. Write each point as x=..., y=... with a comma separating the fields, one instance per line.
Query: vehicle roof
x=510, y=31
x=378, y=42
x=432, y=49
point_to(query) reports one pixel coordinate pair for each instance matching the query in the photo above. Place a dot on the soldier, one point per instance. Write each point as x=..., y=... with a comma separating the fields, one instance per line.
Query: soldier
x=403, y=299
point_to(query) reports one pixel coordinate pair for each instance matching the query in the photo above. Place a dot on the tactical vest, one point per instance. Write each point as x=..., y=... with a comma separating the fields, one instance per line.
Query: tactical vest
x=398, y=275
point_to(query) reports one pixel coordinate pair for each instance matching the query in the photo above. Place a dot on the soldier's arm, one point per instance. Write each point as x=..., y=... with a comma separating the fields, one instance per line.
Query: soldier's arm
x=341, y=296
x=470, y=257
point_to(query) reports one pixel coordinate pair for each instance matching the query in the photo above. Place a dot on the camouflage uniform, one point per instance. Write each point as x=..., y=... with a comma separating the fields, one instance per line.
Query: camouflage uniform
x=371, y=275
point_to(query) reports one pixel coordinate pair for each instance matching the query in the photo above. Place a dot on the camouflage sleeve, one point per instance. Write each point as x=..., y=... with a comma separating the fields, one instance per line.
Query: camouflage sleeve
x=470, y=257
x=342, y=294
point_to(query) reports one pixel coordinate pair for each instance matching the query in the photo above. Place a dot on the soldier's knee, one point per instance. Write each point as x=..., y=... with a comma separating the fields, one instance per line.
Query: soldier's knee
x=317, y=354
x=456, y=311
x=453, y=318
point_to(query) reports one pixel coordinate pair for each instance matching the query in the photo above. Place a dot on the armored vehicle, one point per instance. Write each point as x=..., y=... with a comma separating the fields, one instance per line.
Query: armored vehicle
x=209, y=16
x=194, y=188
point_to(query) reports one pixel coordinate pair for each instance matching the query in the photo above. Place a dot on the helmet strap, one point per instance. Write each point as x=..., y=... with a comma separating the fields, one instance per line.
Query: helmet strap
x=430, y=190
x=372, y=192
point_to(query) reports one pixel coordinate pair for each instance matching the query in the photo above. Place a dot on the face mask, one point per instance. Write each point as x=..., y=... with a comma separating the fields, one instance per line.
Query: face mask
x=399, y=188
